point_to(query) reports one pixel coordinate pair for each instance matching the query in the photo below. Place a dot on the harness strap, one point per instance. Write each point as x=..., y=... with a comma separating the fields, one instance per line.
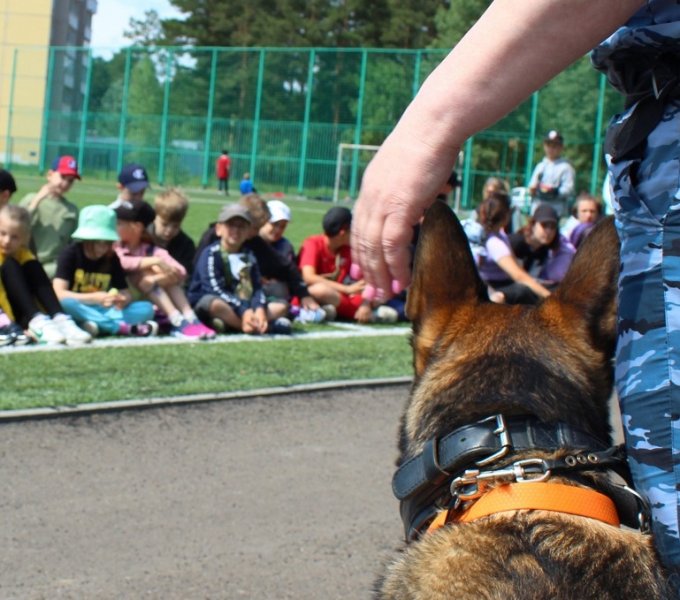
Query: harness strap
x=555, y=497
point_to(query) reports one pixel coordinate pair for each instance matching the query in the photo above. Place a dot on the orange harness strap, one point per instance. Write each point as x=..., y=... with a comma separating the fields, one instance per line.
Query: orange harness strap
x=555, y=497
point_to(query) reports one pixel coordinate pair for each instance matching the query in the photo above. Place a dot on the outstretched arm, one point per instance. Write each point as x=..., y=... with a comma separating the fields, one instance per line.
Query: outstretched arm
x=512, y=50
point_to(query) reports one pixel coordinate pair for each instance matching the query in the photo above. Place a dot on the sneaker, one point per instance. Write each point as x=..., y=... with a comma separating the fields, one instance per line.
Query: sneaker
x=73, y=335
x=385, y=314
x=45, y=330
x=281, y=326
x=7, y=336
x=147, y=329
x=331, y=312
x=307, y=315
x=189, y=331
x=219, y=325
x=208, y=333
x=20, y=337
x=91, y=327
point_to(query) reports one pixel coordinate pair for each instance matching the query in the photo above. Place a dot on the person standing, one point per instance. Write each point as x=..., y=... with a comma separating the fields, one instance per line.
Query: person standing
x=223, y=170
x=489, y=72
x=552, y=181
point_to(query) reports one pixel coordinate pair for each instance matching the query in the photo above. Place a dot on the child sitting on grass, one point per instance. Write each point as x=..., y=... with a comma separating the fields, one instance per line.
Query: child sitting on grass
x=154, y=272
x=171, y=207
x=91, y=284
x=225, y=288
x=28, y=295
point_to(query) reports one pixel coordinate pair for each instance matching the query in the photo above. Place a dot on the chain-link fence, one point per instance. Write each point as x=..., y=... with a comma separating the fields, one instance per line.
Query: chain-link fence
x=281, y=113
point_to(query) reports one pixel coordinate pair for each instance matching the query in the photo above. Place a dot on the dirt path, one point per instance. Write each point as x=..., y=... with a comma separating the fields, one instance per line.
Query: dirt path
x=279, y=497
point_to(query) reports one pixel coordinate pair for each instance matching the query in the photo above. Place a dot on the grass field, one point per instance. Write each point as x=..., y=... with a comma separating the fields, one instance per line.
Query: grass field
x=67, y=377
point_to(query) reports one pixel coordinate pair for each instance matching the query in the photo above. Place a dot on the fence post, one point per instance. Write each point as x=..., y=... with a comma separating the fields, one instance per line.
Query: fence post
x=209, y=118
x=532, y=139
x=416, y=72
x=46, y=110
x=256, y=116
x=86, y=107
x=597, y=146
x=123, y=109
x=467, y=170
x=164, y=119
x=305, y=125
x=359, y=119
x=10, y=112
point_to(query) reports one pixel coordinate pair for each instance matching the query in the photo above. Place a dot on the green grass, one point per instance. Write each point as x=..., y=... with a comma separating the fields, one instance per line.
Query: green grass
x=204, y=204
x=62, y=378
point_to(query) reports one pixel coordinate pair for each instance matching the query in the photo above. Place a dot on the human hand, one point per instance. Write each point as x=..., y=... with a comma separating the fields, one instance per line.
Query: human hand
x=309, y=303
x=105, y=299
x=165, y=278
x=261, y=324
x=364, y=313
x=356, y=287
x=254, y=321
x=119, y=299
x=401, y=181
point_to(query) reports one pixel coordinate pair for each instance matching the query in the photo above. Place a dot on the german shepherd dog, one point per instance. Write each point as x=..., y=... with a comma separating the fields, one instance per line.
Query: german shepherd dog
x=510, y=487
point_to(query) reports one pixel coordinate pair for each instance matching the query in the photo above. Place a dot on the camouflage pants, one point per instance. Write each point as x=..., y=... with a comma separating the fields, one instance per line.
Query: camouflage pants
x=647, y=208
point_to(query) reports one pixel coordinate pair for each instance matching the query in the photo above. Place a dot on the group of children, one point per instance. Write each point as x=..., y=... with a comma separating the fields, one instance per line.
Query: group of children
x=69, y=276
x=522, y=266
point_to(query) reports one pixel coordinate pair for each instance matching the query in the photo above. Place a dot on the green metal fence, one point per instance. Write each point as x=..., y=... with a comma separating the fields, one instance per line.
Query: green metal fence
x=281, y=113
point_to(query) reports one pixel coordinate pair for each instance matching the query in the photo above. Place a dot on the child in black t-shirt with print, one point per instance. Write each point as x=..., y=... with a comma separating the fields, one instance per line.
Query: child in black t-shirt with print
x=91, y=284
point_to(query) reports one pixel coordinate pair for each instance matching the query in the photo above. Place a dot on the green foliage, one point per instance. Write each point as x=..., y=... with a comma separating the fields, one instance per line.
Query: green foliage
x=453, y=22
x=303, y=23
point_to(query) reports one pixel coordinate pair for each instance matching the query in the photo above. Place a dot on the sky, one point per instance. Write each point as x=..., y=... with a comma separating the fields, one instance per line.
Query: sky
x=112, y=18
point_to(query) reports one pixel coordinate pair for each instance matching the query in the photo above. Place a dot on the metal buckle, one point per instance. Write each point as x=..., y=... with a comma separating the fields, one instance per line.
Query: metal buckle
x=522, y=476
x=473, y=482
x=644, y=520
x=506, y=442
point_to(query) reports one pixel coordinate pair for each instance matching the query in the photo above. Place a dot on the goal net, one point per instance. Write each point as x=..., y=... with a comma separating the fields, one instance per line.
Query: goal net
x=349, y=168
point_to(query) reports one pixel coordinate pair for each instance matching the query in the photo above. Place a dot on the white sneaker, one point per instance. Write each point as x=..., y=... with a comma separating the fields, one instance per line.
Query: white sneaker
x=385, y=314
x=307, y=315
x=45, y=330
x=331, y=312
x=73, y=335
x=91, y=327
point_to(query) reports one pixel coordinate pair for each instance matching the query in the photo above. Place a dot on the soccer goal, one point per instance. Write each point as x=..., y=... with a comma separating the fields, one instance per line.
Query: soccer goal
x=351, y=162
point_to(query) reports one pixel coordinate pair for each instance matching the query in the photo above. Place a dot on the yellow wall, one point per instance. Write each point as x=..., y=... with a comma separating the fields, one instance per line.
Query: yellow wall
x=24, y=36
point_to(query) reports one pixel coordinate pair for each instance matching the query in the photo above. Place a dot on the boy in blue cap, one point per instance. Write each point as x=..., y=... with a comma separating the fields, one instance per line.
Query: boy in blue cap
x=133, y=181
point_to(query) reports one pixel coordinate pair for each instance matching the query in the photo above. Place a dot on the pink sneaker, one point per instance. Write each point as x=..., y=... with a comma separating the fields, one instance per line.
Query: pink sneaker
x=208, y=334
x=194, y=331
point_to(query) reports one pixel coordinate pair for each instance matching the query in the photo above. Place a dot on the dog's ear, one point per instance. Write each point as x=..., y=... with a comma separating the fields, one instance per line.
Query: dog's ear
x=445, y=280
x=589, y=290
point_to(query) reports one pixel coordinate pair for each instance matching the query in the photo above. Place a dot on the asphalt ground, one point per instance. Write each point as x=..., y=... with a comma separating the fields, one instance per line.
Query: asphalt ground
x=268, y=497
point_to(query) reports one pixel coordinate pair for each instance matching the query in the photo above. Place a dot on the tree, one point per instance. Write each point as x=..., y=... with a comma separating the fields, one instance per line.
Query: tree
x=453, y=22
x=147, y=31
x=305, y=23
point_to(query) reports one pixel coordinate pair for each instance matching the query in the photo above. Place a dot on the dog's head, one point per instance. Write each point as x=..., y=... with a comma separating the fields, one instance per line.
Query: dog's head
x=474, y=358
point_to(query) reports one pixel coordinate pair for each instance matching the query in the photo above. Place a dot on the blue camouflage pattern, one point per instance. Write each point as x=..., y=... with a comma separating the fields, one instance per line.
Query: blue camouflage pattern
x=646, y=199
x=647, y=208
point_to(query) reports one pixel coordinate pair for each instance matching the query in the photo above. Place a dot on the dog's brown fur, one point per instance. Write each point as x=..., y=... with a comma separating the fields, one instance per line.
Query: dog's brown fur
x=472, y=359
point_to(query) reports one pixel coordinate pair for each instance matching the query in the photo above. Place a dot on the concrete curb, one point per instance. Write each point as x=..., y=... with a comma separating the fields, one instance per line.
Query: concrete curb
x=87, y=409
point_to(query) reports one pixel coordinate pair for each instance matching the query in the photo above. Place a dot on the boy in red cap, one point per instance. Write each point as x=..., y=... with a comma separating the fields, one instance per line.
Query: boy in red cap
x=53, y=217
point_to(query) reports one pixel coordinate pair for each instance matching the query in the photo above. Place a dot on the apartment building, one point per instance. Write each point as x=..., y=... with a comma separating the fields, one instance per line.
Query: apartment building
x=43, y=71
